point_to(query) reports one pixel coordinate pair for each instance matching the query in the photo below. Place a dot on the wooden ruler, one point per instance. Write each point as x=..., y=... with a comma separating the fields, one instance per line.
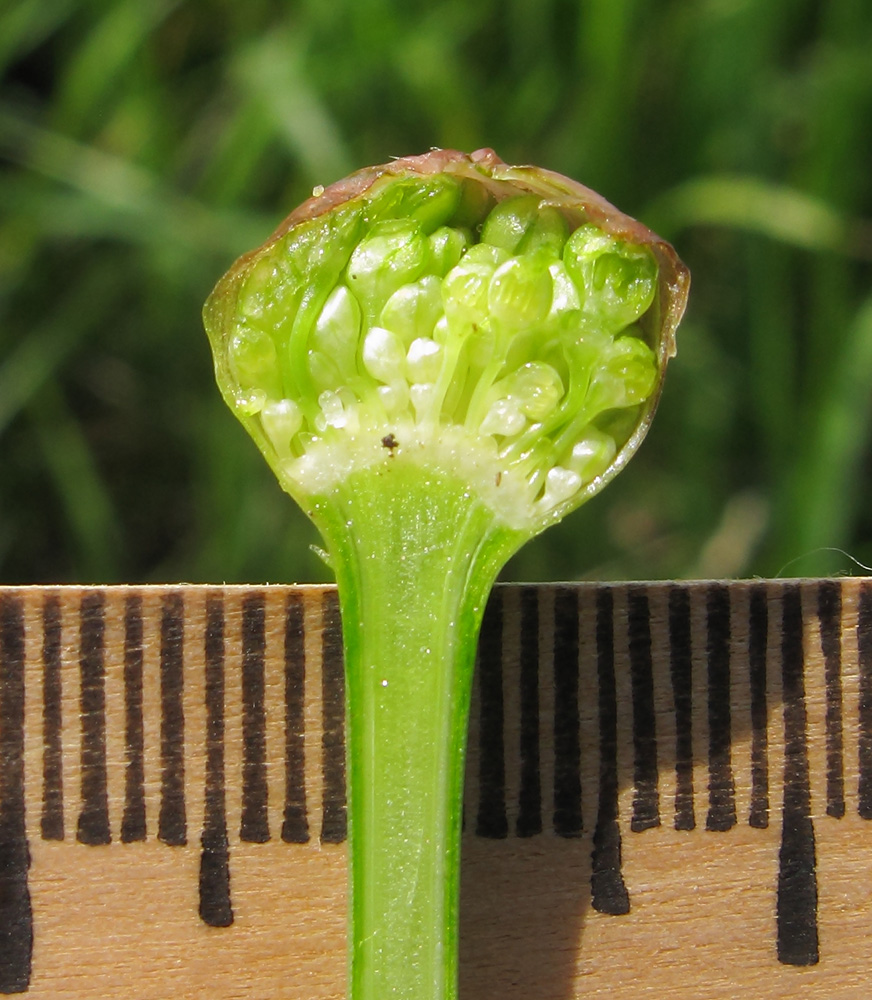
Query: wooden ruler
x=669, y=788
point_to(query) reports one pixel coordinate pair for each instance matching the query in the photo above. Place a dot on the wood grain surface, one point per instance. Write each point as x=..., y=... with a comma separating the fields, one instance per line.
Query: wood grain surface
x=669, y=789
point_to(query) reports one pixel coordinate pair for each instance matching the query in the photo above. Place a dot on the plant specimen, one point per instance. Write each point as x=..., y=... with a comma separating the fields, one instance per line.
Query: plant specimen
x=439, y=358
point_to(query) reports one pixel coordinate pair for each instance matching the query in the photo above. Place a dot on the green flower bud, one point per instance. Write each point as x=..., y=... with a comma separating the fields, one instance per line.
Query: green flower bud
x=519, y=294
x=465, y=294
x=617, y=281
x=254, y=361
x=560, y=485
x=537, y=387
x=447, y=246
x=255, y=298
x=626, y=376
x=424, y=360
x=281, y=420
x=430, y=203
x=337, y=330
x=525, y=225
x=338, y=411
x=566, y=296
x=485, y=253
x=592, y=454
x=504, y=419
x=413, y=310
x=383, y=355
x=394, y=253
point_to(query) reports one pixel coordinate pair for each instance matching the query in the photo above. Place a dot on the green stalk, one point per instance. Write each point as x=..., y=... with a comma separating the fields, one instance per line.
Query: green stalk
x=419, y=394
x=415, y=558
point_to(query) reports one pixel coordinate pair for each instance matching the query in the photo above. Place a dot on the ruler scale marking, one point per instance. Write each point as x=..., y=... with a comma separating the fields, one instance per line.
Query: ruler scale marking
x=172, y=818
x=864, y=658
x=214, y=886
x=52, y=818
x=334, y=819
x=93, y=825
x=16, y=913
x=722, y=793
x=608, y=890
x=254, y=827
x=646, y=795
x=797, y=932
x=295, y=825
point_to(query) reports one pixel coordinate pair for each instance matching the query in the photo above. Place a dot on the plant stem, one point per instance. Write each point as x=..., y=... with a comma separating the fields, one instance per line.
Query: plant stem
x=412, y=600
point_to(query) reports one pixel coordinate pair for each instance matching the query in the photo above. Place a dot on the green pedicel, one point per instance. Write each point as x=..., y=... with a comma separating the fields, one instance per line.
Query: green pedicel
x=439, y=358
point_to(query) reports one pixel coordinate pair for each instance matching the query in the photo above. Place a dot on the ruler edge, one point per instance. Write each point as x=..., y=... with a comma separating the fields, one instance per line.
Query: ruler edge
x=33, y=592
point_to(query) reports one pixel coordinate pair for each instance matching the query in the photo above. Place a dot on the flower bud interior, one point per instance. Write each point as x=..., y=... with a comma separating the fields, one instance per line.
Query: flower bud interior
x=455, y=327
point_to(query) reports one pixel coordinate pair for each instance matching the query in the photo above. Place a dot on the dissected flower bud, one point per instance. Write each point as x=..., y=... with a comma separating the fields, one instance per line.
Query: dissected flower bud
x=439, y=358
x=446, y=296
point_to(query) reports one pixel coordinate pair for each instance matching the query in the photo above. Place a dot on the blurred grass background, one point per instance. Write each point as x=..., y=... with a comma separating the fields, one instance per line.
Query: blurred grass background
x=144, y=145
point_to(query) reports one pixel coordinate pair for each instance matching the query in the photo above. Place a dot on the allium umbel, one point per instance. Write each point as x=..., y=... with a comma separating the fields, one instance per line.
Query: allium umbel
x=438, y=357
